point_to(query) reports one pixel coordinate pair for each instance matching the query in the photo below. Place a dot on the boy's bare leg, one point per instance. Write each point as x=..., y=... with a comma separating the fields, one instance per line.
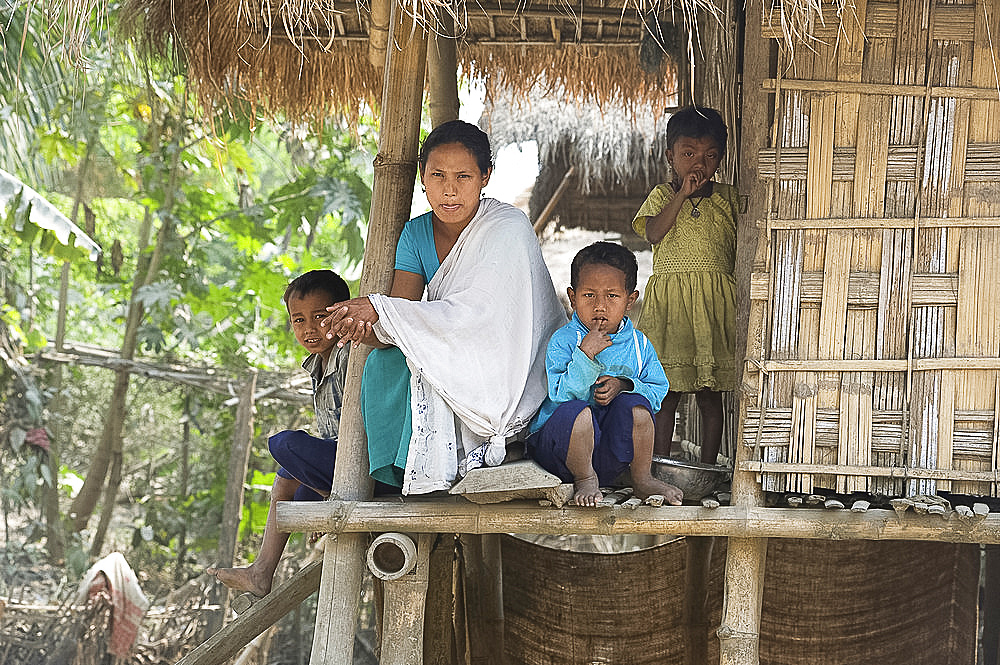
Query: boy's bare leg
x=644, y=483
x=710, y=405
x=258, y=576
x=665, y=419
x=580, y=461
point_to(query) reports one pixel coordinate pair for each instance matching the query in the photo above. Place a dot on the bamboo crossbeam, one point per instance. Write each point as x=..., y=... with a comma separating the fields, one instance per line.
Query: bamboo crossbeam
x=879, y=223
x=461, y=516
x=590, y=42
x=882, y=89
x=875, y=365
x=898, y=472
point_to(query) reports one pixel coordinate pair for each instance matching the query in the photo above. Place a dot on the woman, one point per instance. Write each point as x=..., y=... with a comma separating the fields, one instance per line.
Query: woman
x=463, y=371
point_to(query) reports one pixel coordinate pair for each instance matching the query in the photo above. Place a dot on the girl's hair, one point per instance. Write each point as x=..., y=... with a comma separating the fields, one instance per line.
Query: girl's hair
x=318, y=280
x=697, y=122
x=605, y=254
x=474, y=139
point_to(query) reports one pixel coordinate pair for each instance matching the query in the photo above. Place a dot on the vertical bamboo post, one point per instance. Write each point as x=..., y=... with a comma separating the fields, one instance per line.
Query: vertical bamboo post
x=232, y=506
x=439, y=625
x=483, y=598
x=442, y=102
x=991, y=606
x=403, y=567
x=392, y=191
x=698, y=562
x=739, y=634
x=442, y=70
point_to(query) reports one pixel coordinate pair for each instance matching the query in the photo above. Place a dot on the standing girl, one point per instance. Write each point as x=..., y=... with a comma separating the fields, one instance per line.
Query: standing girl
x=689, y=307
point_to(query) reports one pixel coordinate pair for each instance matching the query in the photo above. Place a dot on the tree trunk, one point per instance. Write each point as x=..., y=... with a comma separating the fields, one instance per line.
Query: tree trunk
x=232, y=508
x=111, y=436
x=55, y=530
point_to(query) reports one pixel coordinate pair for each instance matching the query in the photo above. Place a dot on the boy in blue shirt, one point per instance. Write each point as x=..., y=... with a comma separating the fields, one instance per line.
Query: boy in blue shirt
x=605, y=384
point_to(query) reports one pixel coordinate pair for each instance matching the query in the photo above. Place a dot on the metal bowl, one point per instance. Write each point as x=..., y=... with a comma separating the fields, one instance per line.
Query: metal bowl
x=695, y=479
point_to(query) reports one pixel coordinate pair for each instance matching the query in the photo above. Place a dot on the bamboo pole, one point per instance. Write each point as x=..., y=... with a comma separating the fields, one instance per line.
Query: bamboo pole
x=442, y=70
x=482, y=582
x=737, y=521
x=403, y=567
x=543, y=218
x=378, y=33
x=286, y=597
x=739, y=633
x=392, y=191
x=239, y=457
x=697, y=566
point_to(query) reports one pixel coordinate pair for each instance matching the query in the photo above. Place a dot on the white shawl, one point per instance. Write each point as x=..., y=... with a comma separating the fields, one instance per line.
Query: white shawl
x=475, y=347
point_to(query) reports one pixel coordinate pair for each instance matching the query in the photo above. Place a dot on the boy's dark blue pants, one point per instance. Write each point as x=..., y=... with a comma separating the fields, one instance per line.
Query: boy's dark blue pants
x=310, y=460
x=612, y=437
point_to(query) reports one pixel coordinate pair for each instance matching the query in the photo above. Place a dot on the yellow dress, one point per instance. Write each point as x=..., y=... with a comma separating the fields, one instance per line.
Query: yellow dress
x=689, y=306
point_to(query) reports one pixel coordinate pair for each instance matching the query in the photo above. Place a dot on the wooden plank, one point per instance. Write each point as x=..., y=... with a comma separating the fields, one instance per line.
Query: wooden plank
x=896, y=90
x=904, y=472
x=883, y=365
x=444, y=516
x=882, y=222
x=236, y=634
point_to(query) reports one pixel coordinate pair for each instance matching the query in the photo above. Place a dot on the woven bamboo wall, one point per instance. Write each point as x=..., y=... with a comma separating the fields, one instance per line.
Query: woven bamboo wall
x=874, y=358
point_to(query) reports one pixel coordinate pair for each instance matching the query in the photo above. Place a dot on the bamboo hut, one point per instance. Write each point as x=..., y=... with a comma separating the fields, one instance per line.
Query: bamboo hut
x=868, y=244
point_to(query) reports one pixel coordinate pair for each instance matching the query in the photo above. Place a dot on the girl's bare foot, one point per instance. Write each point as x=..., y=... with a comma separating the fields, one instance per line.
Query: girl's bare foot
x=587, y=492
x=648, y=486
x=241, y=579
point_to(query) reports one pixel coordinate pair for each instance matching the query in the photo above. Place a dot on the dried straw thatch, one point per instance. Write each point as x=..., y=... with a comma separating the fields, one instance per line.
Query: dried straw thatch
x=307, y=59
x=617, y=154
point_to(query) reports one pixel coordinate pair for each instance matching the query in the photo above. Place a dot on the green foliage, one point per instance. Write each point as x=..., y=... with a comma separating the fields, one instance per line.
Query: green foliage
x=226, y=215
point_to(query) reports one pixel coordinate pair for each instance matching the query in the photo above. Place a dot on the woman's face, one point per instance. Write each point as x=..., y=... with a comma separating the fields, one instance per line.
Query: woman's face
x=453, y=183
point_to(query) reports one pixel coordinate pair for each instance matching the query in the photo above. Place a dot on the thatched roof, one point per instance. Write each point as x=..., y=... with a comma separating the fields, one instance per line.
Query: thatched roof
x=306, y=59
x=617, y=154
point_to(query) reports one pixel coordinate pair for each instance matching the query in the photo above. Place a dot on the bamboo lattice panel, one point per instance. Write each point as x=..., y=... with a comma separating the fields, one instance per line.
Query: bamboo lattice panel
x=876, y=281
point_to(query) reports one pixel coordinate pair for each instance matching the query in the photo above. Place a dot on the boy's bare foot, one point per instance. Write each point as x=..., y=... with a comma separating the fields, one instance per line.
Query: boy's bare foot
x=587, y=492
x=646, y=487
x=241, y=579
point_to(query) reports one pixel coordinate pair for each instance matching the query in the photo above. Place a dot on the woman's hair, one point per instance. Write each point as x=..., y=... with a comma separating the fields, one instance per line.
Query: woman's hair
x=474, y=139
x=697, y=122
x=318, y=280
x=605, y=254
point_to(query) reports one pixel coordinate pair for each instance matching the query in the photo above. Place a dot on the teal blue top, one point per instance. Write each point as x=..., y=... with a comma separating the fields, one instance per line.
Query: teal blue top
x=415, y=251
x=385, y=385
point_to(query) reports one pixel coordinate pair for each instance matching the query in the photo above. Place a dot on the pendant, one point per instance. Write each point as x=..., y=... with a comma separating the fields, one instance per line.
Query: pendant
x=695, y=213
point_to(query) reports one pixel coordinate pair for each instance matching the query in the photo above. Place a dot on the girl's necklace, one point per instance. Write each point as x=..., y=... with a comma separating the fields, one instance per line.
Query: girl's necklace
x=694, y=208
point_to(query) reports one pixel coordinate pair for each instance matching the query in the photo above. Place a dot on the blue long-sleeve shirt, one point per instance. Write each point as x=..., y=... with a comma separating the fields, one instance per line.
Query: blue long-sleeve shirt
x=571, y=373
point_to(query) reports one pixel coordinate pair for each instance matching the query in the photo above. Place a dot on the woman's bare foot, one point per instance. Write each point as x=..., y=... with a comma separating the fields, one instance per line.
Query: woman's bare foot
x=587, y=492
x=646, y=487
x=242, y=579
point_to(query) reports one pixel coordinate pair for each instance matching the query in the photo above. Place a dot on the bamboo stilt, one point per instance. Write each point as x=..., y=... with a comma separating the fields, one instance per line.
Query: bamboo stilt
x=442, y=71
x=483, y=597
x=696, y=572
x=404, y=566
x=392, y=191
x=739, y=634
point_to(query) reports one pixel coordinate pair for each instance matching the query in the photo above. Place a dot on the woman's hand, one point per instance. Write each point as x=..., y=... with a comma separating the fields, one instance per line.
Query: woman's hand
x=351, y=321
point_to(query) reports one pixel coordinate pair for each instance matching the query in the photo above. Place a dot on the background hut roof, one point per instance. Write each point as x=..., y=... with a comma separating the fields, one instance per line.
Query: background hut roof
x=617, y=154
x=306, y=59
